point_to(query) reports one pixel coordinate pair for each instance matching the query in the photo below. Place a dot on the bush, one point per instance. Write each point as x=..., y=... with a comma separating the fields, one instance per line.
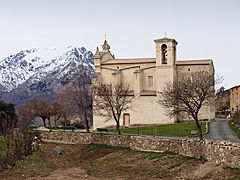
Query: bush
x=236, y=118
x=65, y=123
x=79, y=124
x=8, y=118
x=15, y=147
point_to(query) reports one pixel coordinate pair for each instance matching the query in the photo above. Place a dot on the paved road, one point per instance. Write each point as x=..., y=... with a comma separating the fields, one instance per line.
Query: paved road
x=219, y=130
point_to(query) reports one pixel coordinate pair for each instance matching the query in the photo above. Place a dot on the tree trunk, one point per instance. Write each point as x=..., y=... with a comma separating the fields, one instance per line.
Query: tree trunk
x=199, y=129
x=55, y=124
x=44, y=122
x=86, y=123
x=49, y=123
x=55, y=121
x=118, y=128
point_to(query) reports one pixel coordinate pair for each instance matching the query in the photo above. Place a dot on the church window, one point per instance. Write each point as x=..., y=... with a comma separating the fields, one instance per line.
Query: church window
x=150, y=80
x=188, y=69
x=164, y=54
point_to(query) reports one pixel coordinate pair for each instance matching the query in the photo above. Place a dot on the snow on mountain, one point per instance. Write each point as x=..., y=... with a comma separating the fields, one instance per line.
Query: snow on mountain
x=35, y=64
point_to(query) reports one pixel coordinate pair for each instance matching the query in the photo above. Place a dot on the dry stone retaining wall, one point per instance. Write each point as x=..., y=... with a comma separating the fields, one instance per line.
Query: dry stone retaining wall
x=221, y=152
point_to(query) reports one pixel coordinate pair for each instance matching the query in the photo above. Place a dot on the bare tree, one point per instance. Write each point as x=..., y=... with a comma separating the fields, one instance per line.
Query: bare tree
x=43, y=109
x=110, y=100
x=79, y=93
x=63, y=107
x=57, y=110
x=188, y=95
x=25, y=114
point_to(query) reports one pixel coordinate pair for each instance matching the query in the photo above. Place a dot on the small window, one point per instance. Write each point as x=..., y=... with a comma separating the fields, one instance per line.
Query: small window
x=150, y=80
x=188, y=69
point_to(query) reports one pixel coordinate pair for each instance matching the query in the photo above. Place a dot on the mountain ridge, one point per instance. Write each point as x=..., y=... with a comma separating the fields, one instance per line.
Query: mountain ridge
x=33, y=72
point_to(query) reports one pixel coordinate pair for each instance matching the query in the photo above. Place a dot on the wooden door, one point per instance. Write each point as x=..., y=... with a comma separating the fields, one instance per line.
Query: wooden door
x=126, y=120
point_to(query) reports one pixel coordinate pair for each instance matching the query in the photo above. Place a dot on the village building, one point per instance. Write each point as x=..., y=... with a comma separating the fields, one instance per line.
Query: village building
x=222, y=103
x=146, y=77
x=234, y=99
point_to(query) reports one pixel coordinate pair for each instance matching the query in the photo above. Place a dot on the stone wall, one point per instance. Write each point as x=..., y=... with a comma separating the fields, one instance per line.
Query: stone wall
x=221, y=152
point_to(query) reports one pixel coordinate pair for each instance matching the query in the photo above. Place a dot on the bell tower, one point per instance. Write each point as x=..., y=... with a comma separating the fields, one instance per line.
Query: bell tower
x=166, y=71
x=165, y=52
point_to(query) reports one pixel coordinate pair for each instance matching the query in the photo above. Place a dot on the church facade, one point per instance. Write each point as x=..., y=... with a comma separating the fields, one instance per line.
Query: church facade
x=146, y=77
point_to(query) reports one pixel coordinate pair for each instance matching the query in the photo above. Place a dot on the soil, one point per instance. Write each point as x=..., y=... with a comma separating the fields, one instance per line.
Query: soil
x=102, y=162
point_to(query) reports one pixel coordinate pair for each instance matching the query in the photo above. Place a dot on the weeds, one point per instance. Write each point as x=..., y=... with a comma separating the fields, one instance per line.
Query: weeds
x=153, y=155
x=176, y=165
x=91, y=147
x=237, y=170
x=34, y=159
x=234, y=127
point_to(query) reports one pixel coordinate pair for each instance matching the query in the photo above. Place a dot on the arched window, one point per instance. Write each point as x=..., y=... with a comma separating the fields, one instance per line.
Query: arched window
x=164, y=54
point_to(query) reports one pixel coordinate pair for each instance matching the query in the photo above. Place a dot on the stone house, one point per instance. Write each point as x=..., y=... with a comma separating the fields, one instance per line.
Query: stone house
x=222, y=103
x=234, y=98
x=146, y=77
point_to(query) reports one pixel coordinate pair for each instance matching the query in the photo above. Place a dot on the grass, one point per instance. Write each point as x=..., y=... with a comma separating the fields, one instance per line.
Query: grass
x=104, y=165
x=233, y=126
x=176, y=165
x=178, y=130
x=91, y=147
x=185, y=159
x=236, y=170
x=153, y=155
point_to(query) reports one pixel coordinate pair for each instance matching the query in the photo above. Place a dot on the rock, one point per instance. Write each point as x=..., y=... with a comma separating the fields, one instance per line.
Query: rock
x=35, y=138
x=34, y=146
x=194, y=132
x=58, y=150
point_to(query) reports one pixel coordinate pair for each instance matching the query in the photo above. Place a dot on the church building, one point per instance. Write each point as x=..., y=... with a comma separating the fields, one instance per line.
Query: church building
x=146, y=77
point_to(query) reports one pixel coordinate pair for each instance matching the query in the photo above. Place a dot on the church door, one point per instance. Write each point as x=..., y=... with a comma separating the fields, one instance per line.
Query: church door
x=126, y=120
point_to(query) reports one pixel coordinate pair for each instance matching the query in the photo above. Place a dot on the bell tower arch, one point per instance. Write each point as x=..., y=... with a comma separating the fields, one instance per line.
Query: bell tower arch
x=164, y=53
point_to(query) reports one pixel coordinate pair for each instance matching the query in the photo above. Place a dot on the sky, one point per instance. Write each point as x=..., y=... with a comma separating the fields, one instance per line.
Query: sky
x=204, y=29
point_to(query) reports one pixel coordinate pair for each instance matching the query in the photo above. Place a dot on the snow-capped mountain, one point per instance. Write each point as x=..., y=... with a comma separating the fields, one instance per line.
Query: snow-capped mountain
x=35, y=64
x=31, y=72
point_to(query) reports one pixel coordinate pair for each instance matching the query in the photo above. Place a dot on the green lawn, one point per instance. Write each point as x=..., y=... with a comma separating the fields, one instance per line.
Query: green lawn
x=233, y=126
x=182, y=129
